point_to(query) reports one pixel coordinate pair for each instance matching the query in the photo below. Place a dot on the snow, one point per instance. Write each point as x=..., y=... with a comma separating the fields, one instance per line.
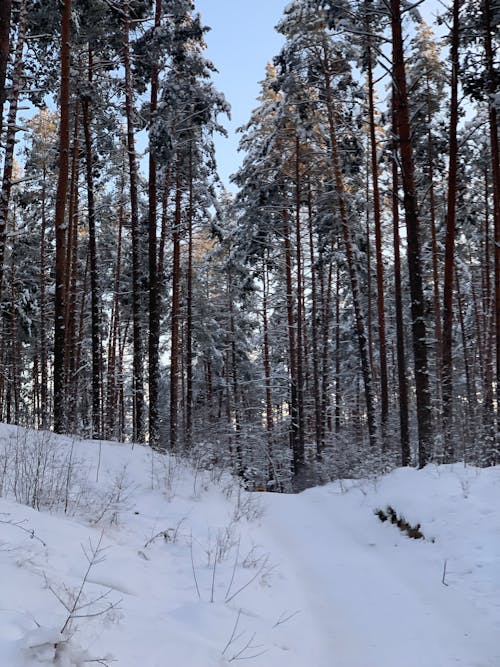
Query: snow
x=193, y=571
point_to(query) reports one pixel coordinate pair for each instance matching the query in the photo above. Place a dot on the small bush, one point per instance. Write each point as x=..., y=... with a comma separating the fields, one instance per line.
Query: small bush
x=390, y=514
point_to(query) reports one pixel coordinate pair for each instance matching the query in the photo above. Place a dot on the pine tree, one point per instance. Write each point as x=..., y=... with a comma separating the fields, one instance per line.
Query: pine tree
x=419, y=330
x=5, y=15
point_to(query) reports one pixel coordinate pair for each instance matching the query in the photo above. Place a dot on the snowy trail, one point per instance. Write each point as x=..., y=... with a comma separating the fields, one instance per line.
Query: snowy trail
x=366, y=590
x=315, y=579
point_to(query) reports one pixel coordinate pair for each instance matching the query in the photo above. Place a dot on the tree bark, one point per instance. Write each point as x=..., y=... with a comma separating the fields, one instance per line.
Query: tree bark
x=5, y=16
x=300, y=310
x=44, y=380
x=384, y=391
x=419, y=329
x=154, y=315
x=175, y=313
x=60, y=219
x=112, y=387
x=138, y=360
x=266, y=355
x=189, y=309
x=70, y=286
x=495, y=170
x=449, y=261
x=398, y=297
x=314, y=325
x=10, y=142
x=96, y=431
x=298, y=453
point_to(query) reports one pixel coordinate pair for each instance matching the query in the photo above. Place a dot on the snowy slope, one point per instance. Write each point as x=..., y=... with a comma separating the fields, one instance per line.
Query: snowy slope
x=195, y=572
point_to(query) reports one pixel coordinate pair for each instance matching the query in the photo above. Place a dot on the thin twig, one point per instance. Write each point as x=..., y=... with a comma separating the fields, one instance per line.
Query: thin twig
x=234, y=568
x=248, y=647
x=213, y=578
x=30, y=531
x=231, y=638
x=283, y=618
x=443, y=580
x=259, y=571
x=193, y=567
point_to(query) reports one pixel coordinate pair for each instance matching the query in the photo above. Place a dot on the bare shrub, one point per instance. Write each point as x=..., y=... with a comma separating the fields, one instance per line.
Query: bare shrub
x=42, y=473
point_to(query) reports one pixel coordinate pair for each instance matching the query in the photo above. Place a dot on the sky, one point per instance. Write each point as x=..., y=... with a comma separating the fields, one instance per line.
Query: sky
x=241, y=41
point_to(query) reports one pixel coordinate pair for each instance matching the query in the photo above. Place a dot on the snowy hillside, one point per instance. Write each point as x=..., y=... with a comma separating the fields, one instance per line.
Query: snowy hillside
x=186, y=569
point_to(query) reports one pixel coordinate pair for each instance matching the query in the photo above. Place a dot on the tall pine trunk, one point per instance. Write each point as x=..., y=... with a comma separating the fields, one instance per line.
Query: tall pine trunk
x=175, y=314
x=495, y=170
x=419, y=329
x=60, y=219
x=297, y=451
x=314, y=325
x=189, y=309
x=112, y=386
x=449, y=261
x=398, y=298
x=10, y=141
x=44, y=379
x=70, y=286
x=154, y=315
x=300, y=309
x=94, y=296
x=382, y=344
x=5, y=16
x=266, y=354
x=138, y=377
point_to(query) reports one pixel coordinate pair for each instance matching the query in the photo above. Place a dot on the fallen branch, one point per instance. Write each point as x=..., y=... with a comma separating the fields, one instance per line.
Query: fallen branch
x=29, y=531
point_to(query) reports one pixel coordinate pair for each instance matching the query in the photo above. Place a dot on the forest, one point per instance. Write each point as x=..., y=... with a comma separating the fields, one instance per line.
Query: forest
x=336, y=311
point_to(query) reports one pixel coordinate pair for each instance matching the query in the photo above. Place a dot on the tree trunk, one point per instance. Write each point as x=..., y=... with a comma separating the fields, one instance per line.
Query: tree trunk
x=300, y=310
x=495, y=170
x=449, y=261
x=138, y=379
x=240, y=470
x=435, y=263
x=112, y=388
x=338, y=387
x=60, y=219
x=419, y=330
x=189, y=310
x=10, y=141
x=154, y=315
x=175, y=312
x=5, y=15
x=298, y=453
x=79, y=342
x=489, y=324
x=94, y=296
x=398, y=297
x=266, y=355
x=70, y=286
x=384, y=391
x=314, y=325
x=44, y=380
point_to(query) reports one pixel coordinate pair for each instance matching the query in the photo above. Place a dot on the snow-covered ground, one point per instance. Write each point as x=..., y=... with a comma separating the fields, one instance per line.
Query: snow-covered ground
x=189, y=570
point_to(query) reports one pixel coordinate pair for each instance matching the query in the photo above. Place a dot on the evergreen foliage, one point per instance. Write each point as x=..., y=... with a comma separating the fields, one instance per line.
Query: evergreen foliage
x=295, y=331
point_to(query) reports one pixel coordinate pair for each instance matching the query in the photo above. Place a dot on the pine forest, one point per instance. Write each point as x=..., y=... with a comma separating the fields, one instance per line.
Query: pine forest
x=333, y=310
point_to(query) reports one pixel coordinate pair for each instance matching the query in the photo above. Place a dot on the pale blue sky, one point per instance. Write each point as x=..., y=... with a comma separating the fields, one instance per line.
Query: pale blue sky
x=242, y=40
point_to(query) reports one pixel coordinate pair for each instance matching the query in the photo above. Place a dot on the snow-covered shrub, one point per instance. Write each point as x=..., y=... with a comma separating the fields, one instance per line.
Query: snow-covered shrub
x=38, y=471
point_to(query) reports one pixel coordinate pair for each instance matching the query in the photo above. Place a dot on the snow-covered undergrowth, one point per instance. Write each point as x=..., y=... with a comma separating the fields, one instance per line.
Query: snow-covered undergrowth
x=111, y=554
